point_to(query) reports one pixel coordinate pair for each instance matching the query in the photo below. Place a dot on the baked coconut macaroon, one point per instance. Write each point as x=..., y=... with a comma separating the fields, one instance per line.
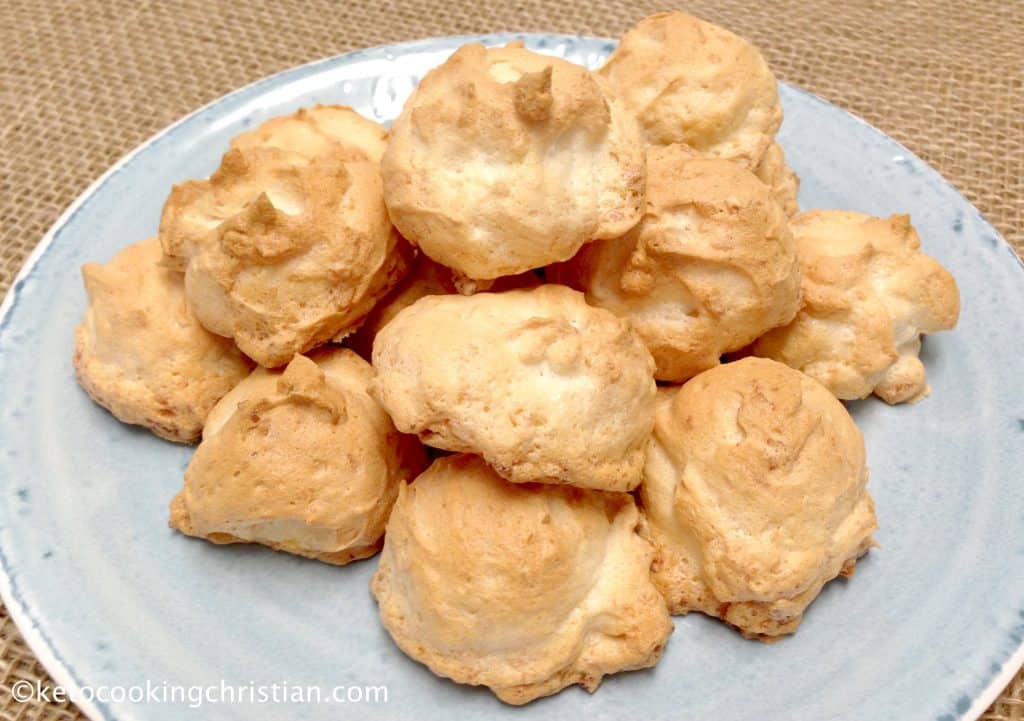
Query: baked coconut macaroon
x=140, y=352
x=869, y=294
x=754, y=495
x=301, y=460
x=288, y=244
x=524, y=589
x=711, y=266
x=504, y=160
x=545, y=387
x=689, y=81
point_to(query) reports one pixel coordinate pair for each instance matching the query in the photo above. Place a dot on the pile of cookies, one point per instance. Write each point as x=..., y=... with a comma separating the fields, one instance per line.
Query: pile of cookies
x=560, y=343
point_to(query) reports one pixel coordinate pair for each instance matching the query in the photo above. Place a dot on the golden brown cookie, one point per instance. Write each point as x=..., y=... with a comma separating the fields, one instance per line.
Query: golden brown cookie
x=777, y=175
x=711, y=266
x=425, y=278
x=754, y=495
x=288, y=244
x=313, y=131
x=689, y=81
x=140, y=352
x=504, y=160
x=869, y=294
x=303, y=461
x=543, y=386
x=524, y=589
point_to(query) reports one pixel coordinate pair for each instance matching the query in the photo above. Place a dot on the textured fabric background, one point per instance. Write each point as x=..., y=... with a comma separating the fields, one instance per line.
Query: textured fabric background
x=81, y=83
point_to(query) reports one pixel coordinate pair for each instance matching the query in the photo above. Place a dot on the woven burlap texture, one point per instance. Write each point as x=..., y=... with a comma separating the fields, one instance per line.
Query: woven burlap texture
x=81, y=83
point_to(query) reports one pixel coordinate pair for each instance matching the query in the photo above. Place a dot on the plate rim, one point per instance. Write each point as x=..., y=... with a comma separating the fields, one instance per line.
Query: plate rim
x=19, y=612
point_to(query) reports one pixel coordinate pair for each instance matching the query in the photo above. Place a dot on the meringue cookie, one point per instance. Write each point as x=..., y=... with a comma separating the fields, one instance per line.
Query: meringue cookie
x=688, y=81
x=303, y=461
x=425, y=278
x=869, y=294
x=754, y=495
x=313, y=131
x=711, y=266
x=777, y=175
x=543, y=386
x=524, y=589
x=288, y=244
x=140, y=352
x=504, y=160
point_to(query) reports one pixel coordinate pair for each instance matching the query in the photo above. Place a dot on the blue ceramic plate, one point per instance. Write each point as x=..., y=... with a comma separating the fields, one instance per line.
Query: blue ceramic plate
x=929, y=628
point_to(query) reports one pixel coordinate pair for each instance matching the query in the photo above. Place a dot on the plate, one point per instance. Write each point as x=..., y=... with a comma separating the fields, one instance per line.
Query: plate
x=109, y=598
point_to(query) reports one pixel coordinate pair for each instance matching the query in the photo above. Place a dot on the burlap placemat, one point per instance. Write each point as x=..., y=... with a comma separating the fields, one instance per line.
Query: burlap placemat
x=81, y=83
